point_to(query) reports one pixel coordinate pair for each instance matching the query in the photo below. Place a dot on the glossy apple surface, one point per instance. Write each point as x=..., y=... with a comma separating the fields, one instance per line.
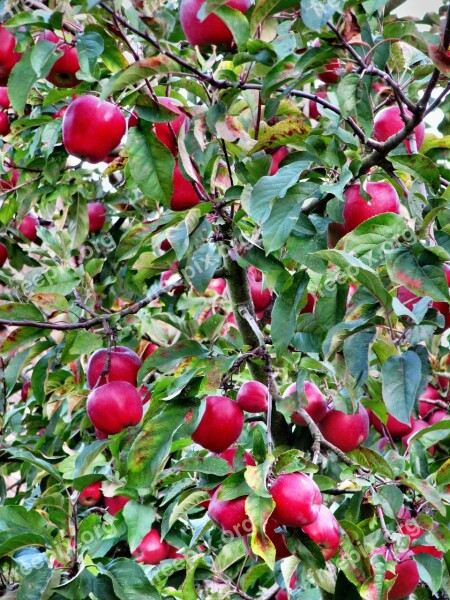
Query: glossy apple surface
x=114, y=406
x=430, y=393
x=152, y=550
x=184, y=195
x=62, y=74
x=316, y=406
x=91, y=495
x=406, y=571
x=149, y=349
x=346, y=432
x=230, y=515
x=389, y=121
x=96, y=216
x=277, y=157
x=124, y=365
x=4, y=98
x=8, y=57
x=324, y=531
x=229, y=456
x=92, y=129
x=4, y=124
x=310, y=304
x=28, y=226
x=221, y=424
x=297, y=499
x=3, y=254
x=115, y=503
x=395, y=428
x=313, y=110
x=384, y=199
x=163, y=130
x=261, y=298
x=253, y=397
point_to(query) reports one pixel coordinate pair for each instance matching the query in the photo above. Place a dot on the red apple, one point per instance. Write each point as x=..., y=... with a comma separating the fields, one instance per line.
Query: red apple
x=92, y=129
x=162, y=130
x=437, y=416
x=406, y=572
x=253, y=397
x=123, y=366
x=389, y=121
x=220, y=425
x=277, y=539
x=346, y=432
x=145, y=394
x=230, y=515
x=96, y=215
x=218, y=285
x=4, y=98
x=91, y=495
x=115, y=503
x=384, y=199
x=395, y=427
x=148, y=350
x=261, y=298
x=297, y=499
x=277, y=157
x=184, y=195
x=8, y=58
x=25, y=391
x=62, y=74
x=170, y=276
x=418, y=425
x=100, y=435
x=58, y=114
x=152, y=550
x=430, y=393
x=28, y=226
x=114, y=406
x=173, y=553
x=316, y=406
x=282, y=595
x=4, y=124
x=427, y=550
x=11, y=182
x=3, y=254
x=313, y=110
x=230, y=454
x=331, y=73
x=324, y=531
x=310, y=304
x=211, y=30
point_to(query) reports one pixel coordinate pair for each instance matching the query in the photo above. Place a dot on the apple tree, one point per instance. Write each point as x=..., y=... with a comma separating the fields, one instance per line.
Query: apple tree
x=225, y=271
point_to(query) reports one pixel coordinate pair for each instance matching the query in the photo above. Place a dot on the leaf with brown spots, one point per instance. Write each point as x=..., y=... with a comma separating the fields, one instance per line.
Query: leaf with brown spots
x=290, y=131
x=259, y=510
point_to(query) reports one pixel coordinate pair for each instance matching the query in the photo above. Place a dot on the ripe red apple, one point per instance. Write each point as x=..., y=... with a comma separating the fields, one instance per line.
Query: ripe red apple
x=114, y=406
x=356, y=210
x=324, y=531
x=230, y=515
x=310, y=304
x=406, y=572
x=427, y=550
x=4, y=98
x=220, y=425
x=145, y=394
x=395, y=427
x=115, y=503
x=4, y=124
x=261, y=298
x=123, y=366
x=28, y=226
x=277, y=539
x=62, y=74
x=58, y=114
x=218, y=285
x=170, y=276
x=297, y=499
x=212, y=30
x=162, y=130
x=389, y=121
x=148, y=350
x=92, y=129
x=230, y=454
x=331, y=73
x=152, y=550
x=253, y=397
x=100, y=435
x=277, y=157
x=8, y=58
x=430, y=393
x=184, y=195
x=418, y=425
x=436, y=417
x=283, y=595
x=96, y=215
x=346, y=432
x=25, y=391
x=91, y=495
x=313, y=110
x=3, y=254
x=316, y=404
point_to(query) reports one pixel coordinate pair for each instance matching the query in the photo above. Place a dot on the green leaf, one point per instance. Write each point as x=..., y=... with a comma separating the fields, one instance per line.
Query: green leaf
x=390, y=498
x=285, y=309
x=136, y=72
x=443, y=473
x=419, y=166
x=430, y=494
x=79, y=225
x=181, y=508
x=430, y=570
x=14, y=311
x=211, y=465
x=237, y=23
x=316, y=13
x=58, y=280
x=401, y=376
x=262, y=9
x=128, y=580
x=165, y=359
x=288, y=131
x=259, y=510
x=33, y=459
x=89, y=47
x=202, y=264
x=234, y=486
x=346, y=93
x=139, y=519
x=356, y=354
x=372, y=460
x=151, y=164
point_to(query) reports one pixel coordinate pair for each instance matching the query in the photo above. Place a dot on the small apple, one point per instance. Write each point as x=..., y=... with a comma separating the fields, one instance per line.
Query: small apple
x=346, y=432
x=253, y=397
x=313, y=110
x=92, y=129
x=229, y=456
x=62, y=74
x=184, y=195
x=277, y=157
x=4, y=98
x=430, y=393
x=4, y=124
x=221, y=424
x=8, y=58
x=11, y=182
x=28, y=226
x=114, y=406
x=115, y=503
x=148, y=350
x=261, y=298
x=145, y=394
x=25, y=391
x=331, y=73
x=384, y=199
x=316, y=406
x=395, y=427
x=3, y=254
x=162, y=130
x=406, y=572
x=211, y=30
x=230, y=515
x=427, y=550
x=297, y=499
x=124, y=365
x=96, y=216
x=217, y=285
x=324, y=531
x=152, y=550
x=389, y=121
x=91, y=495
x=310, y=304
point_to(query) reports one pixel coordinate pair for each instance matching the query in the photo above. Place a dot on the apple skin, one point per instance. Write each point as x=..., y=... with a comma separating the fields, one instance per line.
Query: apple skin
x=310, y=304
x=62, y=74
x=3, y=254
x=100, y=435
x=313, y=110
x=277, y=157
x=148, y=350
x=316, y=404
x=220, y=425
x=406, y=571
x=438, y=416
x=114, y=406
x=418, y=425
x=152, y=550
x=6, y=185
x=8, y=58
x=277, y=539
x=96, y=215
x=184, y=195
x=395, y=427
x=427, y=550
x=210, y=31
x=28, y=226
x=297, y=499
x=261, y=298
x=91, y=495
x=92, y=129
x=330, y=75
x=346, y=432
x=166, y=276
x=324, y=531
x=357, y=210
x=4, y=124
x=282, y=594
x=124, y=366
x=162, y=130
x=218, y=285
x=230, y=515
x=25, y=391
x=389, y=121
x=253, y=397
x=430, y=393
x=115, y=503
x=229, y=455
x=4, y=98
